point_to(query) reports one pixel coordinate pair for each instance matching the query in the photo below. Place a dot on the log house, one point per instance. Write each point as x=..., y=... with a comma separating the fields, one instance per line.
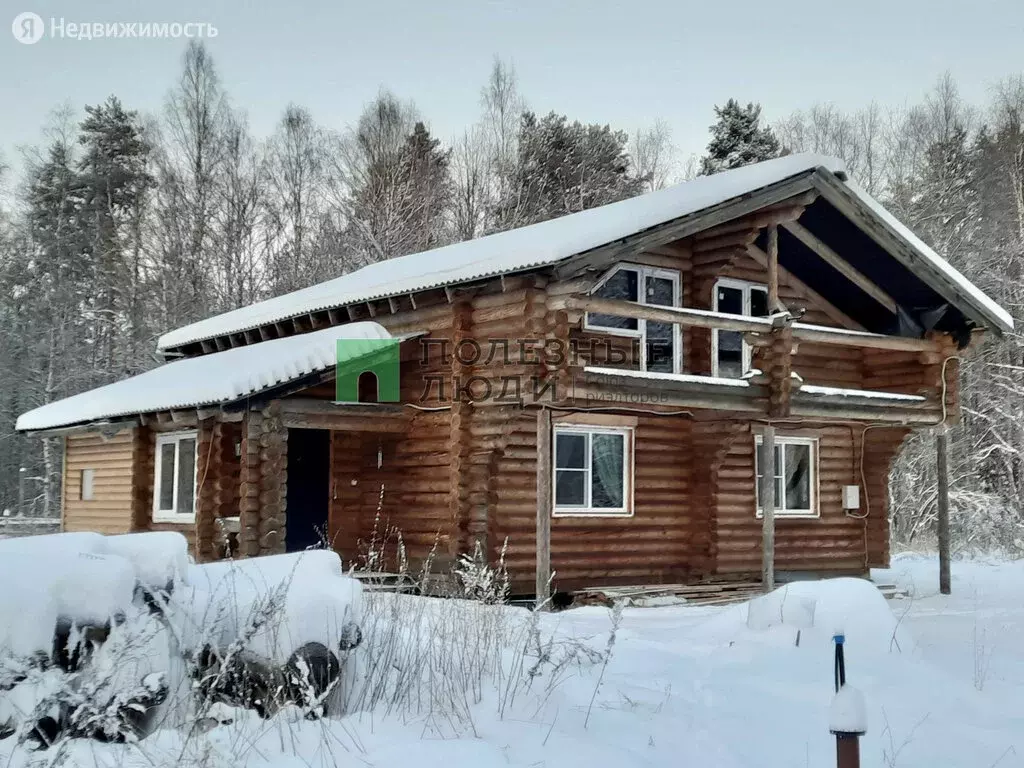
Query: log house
x=588, y=397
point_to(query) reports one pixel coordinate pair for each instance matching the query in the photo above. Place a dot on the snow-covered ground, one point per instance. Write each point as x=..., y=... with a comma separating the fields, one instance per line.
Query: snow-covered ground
x=728, y=687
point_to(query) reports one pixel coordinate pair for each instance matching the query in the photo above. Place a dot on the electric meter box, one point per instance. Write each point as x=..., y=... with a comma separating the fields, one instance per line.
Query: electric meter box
x=851, y=497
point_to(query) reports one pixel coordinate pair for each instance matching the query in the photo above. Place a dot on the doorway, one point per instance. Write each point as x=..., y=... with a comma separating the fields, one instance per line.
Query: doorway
x=309, y=488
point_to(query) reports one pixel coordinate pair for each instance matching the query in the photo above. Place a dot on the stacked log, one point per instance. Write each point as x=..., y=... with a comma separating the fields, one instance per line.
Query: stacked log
x=263, y=482
x=209, y=460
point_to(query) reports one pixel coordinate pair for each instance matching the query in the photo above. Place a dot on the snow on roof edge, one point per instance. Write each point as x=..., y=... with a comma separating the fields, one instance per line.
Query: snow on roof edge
x=544, y=243
x=556, y=240
x=220, y=377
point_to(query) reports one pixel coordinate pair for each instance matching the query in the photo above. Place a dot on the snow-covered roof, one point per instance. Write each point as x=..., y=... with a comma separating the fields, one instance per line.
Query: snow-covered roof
x=222, y=377
x=556, y=240
x=537, y=245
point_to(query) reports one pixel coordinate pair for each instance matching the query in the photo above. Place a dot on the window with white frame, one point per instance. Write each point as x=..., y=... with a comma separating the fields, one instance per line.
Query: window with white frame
x=730, y=354
x=593, y=470
x=174, y=484
x=660, y=343
x=796, y=475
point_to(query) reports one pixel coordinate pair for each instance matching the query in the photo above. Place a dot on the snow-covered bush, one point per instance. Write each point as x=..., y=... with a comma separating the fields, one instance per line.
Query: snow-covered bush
x=107, y=629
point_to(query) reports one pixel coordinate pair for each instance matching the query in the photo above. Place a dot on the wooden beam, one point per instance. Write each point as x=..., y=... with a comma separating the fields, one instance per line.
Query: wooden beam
x=774, y=305
x=841, y=265
x=310, y=413
x=822, y=303
x=702, y=318
x=393, y=305
x=789, y=210
x=351, y=311
x=685, y=226
x=942, y=499
x=740, y=239
x=544, y=507
x=767, y=467
x=371, y=309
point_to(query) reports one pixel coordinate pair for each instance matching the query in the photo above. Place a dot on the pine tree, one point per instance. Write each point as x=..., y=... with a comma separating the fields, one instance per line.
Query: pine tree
x=428, y=188
x=400, y=184
x=114, y=183
x=563, y=168
x=738, y=139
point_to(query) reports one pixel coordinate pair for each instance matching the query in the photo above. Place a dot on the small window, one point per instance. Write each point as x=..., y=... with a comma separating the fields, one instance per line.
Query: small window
x=731, y=355
x=660, y=343
x=86, y=484
x=593, y=471
x=174, y=484
x=796, y=472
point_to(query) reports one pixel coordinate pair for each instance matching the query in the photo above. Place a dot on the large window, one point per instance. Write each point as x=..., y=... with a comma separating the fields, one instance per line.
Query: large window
x=660, y=343
x=796, y=475
x=730, y=356
x=593, y=471
x=174, y=485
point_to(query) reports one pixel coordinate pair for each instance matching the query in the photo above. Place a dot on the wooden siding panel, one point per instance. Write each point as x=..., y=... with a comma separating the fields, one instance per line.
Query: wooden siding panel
x=112, y=459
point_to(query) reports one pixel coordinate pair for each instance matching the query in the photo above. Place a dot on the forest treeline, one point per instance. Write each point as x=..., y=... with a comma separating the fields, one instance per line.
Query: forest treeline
x=123, y=225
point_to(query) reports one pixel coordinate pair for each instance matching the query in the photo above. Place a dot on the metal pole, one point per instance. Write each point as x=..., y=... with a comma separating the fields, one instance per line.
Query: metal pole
x=942, y=472
x=22, y=479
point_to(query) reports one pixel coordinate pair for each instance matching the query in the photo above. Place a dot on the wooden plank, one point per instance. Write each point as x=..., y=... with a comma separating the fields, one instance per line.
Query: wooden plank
x=841, y=265
x=544, y=497
x=768, y=508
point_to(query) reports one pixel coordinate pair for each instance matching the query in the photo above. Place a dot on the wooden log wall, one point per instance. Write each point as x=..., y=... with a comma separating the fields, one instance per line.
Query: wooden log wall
x=833, y=542
x=263, y=483
x=880, y=445
x=217, y=484
x=665, y=540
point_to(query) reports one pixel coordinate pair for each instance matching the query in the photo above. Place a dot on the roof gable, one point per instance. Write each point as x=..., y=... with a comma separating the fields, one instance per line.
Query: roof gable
x=559, y=240
x=538, y=245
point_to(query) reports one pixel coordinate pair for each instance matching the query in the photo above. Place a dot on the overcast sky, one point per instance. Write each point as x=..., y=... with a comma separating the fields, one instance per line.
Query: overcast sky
x=624, y=63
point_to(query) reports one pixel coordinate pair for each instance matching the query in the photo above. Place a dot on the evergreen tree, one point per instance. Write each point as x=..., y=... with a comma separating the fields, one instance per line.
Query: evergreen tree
x=114, y=183
x=738, y=139
x=400, y=181
x=428, y=187
x=563, y=168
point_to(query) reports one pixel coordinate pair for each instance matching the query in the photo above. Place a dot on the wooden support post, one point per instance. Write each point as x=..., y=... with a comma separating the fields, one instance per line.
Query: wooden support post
x=768, y=508
x=544, y=496
x=942, y=498
x=773, y=269
x=847, y=750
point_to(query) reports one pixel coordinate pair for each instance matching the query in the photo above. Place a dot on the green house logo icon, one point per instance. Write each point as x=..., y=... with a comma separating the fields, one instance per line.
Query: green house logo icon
x=357, y=358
